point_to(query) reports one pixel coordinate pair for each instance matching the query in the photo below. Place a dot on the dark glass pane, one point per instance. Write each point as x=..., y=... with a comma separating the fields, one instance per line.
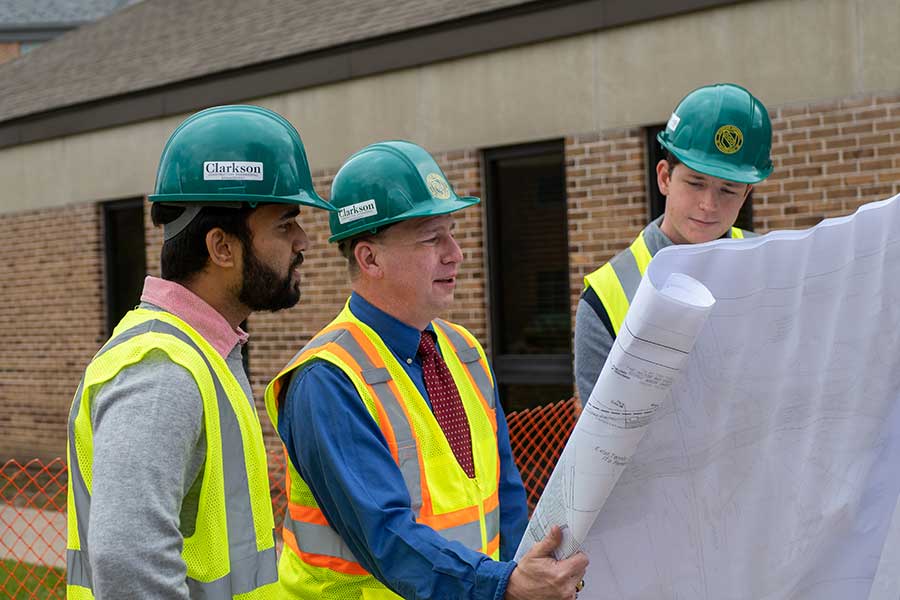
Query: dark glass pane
x=532, y=286
x=126, y=258
x=519, y=397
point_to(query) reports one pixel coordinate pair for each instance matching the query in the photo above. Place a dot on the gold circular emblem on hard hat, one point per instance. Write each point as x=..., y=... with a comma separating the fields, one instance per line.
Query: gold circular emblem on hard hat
x=729, y=139
x=438, y=186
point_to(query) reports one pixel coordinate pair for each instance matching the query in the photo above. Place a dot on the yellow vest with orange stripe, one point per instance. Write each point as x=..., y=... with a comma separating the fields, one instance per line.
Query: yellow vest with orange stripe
x=315, y=562
x=616, y=282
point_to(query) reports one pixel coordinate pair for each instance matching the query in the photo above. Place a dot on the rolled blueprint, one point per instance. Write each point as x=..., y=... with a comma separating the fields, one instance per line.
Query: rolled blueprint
x=652, y=346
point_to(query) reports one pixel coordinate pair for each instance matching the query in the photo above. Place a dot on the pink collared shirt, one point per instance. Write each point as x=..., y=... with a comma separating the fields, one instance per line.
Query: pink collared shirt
x=193, y=310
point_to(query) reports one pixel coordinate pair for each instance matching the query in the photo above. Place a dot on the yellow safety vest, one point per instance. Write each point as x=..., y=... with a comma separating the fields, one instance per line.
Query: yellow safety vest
x=231, y=553
x=616, y=282
x=315, y=561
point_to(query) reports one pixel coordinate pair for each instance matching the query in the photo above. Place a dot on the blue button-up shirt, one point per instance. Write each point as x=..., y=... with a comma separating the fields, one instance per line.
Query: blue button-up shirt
x=340, y=452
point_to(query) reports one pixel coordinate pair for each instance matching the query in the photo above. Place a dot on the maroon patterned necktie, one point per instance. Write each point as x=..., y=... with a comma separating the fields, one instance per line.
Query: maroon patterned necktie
x=446, y=403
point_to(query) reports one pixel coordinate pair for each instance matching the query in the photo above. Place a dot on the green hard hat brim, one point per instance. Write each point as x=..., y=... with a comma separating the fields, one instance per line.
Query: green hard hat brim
x=432, y=208
x=303, y=198
x=701, y=163
x=722, y=170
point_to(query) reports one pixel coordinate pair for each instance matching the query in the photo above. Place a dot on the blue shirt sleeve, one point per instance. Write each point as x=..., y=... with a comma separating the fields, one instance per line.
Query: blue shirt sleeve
x=341, y=453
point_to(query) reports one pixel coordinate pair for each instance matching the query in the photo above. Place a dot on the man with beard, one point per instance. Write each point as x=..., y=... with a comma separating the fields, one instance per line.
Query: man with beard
x=401, y=477
x=169, y=491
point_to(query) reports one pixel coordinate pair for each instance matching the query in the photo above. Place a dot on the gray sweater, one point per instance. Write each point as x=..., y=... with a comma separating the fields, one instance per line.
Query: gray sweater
x=593, y=339
x=149, y=451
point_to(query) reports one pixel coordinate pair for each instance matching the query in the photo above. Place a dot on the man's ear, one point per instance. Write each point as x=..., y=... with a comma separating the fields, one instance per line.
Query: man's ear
x=367, y=258
x=663, y=177
x=222, y=247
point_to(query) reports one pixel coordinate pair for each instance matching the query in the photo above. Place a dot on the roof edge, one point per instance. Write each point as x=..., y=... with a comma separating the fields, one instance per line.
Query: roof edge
x=485, y=32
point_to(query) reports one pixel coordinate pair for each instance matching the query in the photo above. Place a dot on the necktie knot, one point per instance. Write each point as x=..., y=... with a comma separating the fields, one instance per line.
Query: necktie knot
x=427, y=348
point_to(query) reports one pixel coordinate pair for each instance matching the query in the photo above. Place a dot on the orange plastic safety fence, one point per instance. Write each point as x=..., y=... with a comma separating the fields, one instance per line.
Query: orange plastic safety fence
x=33, y=500
x=33, y=529
x=538, y=436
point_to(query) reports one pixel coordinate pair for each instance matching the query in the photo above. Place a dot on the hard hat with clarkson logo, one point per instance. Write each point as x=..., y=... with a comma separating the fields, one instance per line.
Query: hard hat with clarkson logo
x=231, y=156
x=389, y=182
x=721, y=130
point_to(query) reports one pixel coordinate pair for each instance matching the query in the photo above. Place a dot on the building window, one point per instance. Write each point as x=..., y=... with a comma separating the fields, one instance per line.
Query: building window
x=528, y=264
x=655, y=153
x=126, y=257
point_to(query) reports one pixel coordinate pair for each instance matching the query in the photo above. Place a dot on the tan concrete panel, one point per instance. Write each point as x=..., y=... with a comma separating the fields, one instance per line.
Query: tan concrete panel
x=523, y=94
x=783, y=51
x=878, y=24
x=336, y=120
x=102, y=165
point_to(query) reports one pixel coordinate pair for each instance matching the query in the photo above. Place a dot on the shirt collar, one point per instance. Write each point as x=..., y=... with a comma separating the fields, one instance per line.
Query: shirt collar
x=195, y=311
x=654, y=237
x=400, y=338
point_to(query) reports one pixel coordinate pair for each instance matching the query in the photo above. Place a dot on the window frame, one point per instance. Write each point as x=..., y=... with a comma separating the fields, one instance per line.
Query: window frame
x=110, y=283
x=522, y=369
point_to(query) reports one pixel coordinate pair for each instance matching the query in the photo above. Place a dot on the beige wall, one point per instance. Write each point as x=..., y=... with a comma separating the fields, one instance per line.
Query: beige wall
x=785, y=51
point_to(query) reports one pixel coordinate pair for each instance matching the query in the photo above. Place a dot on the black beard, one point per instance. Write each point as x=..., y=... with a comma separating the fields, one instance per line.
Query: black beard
x=263, y=289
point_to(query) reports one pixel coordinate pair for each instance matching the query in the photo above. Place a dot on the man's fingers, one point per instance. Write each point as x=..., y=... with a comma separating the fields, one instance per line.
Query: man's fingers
x=575, y=566
x=546, y=546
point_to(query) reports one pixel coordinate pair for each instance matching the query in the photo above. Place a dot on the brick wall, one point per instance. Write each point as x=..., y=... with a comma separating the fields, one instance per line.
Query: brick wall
x=51, y=307
x=606, y=186
x=830, y=158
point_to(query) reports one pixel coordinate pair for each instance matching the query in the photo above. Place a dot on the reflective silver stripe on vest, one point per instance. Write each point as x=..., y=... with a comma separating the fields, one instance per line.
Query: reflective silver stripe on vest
x=322, y=539
x=626, y=269
x=78, y=569
x=470, y=358
x=318, y=539
x=492, y=523
x=246, y=574
x=249, y=568
x=378, y=379
x=469, y=534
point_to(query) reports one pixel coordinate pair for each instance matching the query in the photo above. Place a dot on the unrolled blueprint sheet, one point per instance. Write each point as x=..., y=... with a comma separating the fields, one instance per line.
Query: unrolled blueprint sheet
x=772, y=470
x=652, y=346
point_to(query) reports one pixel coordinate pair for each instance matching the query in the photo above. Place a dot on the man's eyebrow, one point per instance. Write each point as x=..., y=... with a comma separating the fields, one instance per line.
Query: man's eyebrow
x=290, y=213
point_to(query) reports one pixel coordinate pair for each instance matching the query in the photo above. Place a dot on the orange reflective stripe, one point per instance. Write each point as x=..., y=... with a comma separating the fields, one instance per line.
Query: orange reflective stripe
x=383, y=420
x=374, y=357
x=492, y=502
x=451, y=519
x=278, y=382
x=320, y=560
x=461, y=516
x=492, y=546
x=458, y=517
x=308, y=514
x=426, y=508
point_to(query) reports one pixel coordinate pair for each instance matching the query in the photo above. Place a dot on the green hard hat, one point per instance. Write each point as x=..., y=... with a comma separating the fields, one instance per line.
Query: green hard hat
x=389, y=182
x=235, y=154
x=723, y=131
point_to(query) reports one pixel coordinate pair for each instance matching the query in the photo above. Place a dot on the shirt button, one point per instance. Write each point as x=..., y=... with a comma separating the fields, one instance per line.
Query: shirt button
x=409, y=361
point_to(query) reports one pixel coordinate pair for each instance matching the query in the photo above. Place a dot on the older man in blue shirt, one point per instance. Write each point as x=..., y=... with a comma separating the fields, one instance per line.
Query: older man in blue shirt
x=402, y=476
